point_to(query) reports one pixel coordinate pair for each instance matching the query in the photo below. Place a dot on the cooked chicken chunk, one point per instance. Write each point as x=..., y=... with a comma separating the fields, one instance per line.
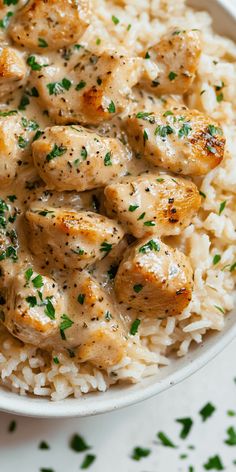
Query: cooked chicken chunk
x=70, y=239
x=89, y=90
x=177, y=57
x=50, y=24
x=12, y=71
x=74, y=158
x=14, y=140
x=39, y=313
x=154, y=279
x=97, y=328
x=33, y=309
x=181, y=140
x=152, y=204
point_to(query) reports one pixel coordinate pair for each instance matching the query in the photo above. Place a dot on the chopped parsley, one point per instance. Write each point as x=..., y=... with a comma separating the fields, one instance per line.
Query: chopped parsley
x=145, y=136
x=37, y=281
x=65, y=324
x=8, y=113
x=185, y=130
x=57, y=151
x=231, y=440
x=12, y=426
x=43, y=445
x=42, y=43
x=108, y=316
x=56, y=360
x=137, y=288
x=149, y=223
x=31, y=61
x=28, y=274
x=222, y=207
x=163, y=131
x=88, y=460
x=56, y=88
x=132, y=208
x=23, y=103
x=207, y=411
x=115, y=20
x=112, y=271
x=107, y=159
x=141, y=216
x=165, y=441
x=216, y=259
x=111, y=108
x=139, y=453
x=78, y=444
x=32, y=301
x=134, y=327
x=187, y=424
x=81, y=298
x=214, y=130
x=203, y=195
x=168, y=113
x=106, y=247
x=22, y=143
x=29, y=125
x=147, y=55
x=49, y=309
x=172, y=76
x=160, y=180
x=150, y=246
x=4, y=22
x=144, y=115
x=214, y=463
x=219, y=308
x=84, y=153
x=220, y=97
x=80, y=85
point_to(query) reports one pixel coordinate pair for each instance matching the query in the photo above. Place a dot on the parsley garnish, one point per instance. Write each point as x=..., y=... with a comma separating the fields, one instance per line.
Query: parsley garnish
x=55, y=360
x=163, y=131
x=145, y=136
x=37, y=281
x=4, y=22
x=12, y=426
x=107, y=159
x=149, y=223
x=172, y=75
x=207, y=411
x=30, y=125
x=216, y=259
x=108, y=316
x=187, y=424
x=139, y=453
x=111, y=108
x=78, y=444
x=84, y=153
x=80, y=85
x=112, y=272
x=31, y=61
x=8, y=113
x=22, y=143
x=137, y=288
x=88, y=460
x=165, y=440
x=55, y=88
x=23, y=103
x=49, y=309
x=150, y=246
x=81, y=298
x=28, y=274
x=222, y=207
x=66, y=323
x=42, y=43
x=141, y=216
x=214, y=130
x=132, y=208
x=115, y=20
x=231, y=440
x=57, y=151
x=134, y=327
x=214, y=463
x=43, y=445
x=106, y=247
x=32, y=301
x=185, y=130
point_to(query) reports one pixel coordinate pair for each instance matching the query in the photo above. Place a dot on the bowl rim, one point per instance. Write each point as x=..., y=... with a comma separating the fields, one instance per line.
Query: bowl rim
x=88, y=406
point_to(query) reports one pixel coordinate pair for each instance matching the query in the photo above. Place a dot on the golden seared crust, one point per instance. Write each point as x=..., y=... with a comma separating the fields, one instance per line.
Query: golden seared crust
x=70, y=239
x=57, y=23
x=83, y=160
x=99, y=87
x=154, y=280
x=177, y=57
x=12, y=71
x=183, y=141
x=152, y=204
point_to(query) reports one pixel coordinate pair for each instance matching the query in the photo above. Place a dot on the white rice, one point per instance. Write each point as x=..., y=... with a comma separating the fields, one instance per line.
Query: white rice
x=24, y=368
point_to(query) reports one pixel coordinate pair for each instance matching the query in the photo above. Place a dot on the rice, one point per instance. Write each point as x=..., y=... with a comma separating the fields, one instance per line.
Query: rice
x=24, y=368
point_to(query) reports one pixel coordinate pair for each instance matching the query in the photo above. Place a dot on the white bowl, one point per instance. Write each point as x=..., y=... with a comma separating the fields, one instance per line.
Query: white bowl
x=120, y=396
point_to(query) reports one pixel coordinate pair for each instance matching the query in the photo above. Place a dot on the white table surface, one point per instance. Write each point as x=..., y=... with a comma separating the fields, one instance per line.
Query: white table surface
x=114, y=435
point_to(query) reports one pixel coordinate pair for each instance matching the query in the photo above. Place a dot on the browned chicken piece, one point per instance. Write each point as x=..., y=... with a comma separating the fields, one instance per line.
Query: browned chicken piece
x=183, y=141
x=52, y=24
x=70, y=239
x=83, y=319
x=15, y=134
x=97, y=327
x=74, y=158
x=33, y=309
x=12, y=71
x=152, y=204
x=89, y=90
x=154, y=279
x=177, y=57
